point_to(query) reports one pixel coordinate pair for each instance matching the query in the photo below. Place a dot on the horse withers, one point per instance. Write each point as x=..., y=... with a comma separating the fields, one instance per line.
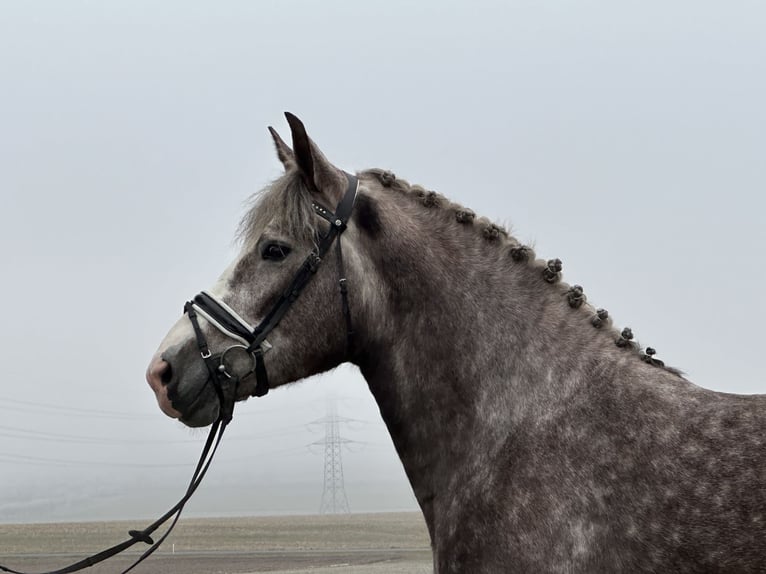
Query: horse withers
x=535, y=435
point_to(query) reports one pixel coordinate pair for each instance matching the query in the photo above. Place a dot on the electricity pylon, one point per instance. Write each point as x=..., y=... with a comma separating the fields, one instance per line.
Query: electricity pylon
x=334, y=499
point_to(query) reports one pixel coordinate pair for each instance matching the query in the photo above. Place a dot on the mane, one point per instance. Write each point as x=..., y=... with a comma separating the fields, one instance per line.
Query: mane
x=285, y=204
x=550, y=270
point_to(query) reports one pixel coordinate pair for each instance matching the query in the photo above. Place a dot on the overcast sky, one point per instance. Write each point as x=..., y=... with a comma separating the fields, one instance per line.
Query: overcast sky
x=626, y=138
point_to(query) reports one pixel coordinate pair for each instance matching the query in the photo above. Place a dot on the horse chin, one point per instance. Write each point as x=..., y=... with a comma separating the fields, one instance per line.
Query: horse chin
x=198, y=411
x=201, y=417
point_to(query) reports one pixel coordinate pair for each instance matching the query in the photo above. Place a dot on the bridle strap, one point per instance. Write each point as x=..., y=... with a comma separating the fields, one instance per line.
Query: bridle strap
x=345, y=308
x=223, y=317
x=310, y=265
x=261, y=377
x=225, y=386
x=204, y=350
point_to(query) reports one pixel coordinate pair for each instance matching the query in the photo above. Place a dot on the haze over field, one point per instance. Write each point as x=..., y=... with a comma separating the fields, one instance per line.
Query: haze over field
x=625, y=138
x=386, y=543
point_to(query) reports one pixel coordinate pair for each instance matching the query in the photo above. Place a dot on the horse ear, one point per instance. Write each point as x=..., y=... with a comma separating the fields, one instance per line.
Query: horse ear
x=321, y=177
x=284, y=153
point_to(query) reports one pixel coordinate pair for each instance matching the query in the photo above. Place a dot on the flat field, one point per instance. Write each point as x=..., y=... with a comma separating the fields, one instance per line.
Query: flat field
x=390, y=543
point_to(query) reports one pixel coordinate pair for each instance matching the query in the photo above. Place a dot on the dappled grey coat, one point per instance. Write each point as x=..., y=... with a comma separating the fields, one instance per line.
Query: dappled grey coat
x=536, y=437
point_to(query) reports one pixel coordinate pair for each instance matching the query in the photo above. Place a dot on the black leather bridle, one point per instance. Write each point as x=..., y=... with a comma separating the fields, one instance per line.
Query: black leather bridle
x=222, y=374
x=253, y=344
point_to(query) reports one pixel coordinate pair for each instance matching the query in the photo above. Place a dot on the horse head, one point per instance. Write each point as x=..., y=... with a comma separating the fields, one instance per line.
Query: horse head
x=289, y=230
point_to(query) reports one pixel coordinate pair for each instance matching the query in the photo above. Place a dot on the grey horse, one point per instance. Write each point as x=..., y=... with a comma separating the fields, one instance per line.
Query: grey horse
x=535, y=435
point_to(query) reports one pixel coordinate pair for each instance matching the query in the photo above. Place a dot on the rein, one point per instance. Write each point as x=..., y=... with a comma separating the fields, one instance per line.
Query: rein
x=145, y=535
x=222, y=374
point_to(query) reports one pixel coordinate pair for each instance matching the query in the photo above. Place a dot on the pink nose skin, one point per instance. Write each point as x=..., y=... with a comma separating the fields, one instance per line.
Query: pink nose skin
x=157, y=368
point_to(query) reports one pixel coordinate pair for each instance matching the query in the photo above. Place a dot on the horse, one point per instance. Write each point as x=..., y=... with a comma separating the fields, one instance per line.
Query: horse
x=537, y=436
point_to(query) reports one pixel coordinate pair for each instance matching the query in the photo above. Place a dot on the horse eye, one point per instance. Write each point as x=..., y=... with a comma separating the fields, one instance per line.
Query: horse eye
x=275, y=252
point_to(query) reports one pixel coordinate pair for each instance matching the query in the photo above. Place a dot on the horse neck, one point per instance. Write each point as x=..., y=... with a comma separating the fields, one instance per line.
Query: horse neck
x=464, y=343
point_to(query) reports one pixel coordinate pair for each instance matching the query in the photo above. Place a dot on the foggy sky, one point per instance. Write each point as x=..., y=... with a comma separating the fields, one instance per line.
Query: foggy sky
x=626, y=138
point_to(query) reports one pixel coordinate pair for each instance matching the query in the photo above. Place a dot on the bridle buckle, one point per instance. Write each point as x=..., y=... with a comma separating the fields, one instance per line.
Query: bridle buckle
x=313, y=261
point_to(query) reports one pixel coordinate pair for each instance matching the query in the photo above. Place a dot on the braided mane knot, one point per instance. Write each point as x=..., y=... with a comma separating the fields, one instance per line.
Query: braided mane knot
x=521, y=253
x=625, y=338
x=464, y=216
x=599, y=318
x=430, y=199
x=387, y=178
x=648, y=356
x=576, y=297
x=552, y=271
x=492, y=232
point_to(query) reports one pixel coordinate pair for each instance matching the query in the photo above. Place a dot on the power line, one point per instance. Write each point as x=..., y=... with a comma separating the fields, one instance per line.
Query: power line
x=68, y=462
x=32, y=407
x=26, y=406
x=46, y=461
x=28, y=434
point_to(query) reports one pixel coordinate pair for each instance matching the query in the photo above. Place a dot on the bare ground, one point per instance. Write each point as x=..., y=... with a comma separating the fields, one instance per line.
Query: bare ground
x=395, y=543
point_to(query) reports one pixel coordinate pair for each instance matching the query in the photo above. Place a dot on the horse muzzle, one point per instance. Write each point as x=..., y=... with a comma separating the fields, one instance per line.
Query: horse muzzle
x=158, y=376
x=183, y=388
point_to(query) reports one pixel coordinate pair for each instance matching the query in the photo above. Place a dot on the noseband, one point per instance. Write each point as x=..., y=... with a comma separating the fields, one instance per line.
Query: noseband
x=252, y=342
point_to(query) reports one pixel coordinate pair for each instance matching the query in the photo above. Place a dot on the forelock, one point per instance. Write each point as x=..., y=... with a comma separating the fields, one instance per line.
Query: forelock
x=285, y=205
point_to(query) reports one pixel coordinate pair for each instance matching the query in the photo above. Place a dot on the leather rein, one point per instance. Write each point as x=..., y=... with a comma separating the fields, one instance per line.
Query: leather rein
x=225, y=380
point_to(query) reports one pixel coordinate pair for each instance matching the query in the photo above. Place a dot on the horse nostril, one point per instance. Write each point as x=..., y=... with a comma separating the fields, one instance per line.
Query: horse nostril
x=167, y=374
